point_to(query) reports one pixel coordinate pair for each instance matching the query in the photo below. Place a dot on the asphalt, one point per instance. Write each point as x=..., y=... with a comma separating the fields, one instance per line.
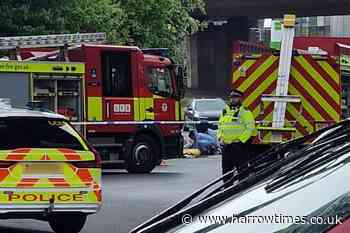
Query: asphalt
x=130, y=199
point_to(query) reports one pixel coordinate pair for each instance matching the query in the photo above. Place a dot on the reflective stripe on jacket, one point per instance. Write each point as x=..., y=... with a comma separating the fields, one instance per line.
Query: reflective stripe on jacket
x=236, y=125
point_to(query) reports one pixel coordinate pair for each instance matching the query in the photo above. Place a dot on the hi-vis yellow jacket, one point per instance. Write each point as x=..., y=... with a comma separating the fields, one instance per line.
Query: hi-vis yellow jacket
x=236, y=125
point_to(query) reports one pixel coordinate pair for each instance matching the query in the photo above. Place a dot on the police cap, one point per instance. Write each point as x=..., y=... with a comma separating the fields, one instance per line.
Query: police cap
x=236, y=93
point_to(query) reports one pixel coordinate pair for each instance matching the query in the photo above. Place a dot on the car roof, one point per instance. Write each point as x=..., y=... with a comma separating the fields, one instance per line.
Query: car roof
x=18, y=112
x=205, y=99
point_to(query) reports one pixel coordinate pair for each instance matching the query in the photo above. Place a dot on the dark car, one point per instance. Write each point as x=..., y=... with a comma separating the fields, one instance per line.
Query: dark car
x=296, y=187
x=204, y=110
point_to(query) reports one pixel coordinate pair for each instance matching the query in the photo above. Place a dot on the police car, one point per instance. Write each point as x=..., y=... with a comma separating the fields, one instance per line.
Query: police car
x=47, y=170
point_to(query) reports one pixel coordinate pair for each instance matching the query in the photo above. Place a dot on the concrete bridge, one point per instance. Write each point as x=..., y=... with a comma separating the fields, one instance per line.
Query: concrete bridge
x=210, y=50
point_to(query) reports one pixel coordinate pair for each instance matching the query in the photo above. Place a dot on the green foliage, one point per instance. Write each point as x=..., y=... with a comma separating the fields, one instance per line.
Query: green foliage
x=161, y=23
x=146, y=23
x=34, y=17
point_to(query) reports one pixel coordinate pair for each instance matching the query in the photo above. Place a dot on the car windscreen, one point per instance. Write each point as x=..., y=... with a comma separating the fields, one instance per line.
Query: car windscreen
x=332, y=214
x=283, y=165
x=210, y=105
x=38, y=133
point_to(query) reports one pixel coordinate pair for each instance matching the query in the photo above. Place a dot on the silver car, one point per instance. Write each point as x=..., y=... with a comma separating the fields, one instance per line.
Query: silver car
x=204, y=110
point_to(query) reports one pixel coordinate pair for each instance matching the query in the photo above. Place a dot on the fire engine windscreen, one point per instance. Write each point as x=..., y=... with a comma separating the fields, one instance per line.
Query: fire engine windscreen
x=38, y=133
x=160, y=82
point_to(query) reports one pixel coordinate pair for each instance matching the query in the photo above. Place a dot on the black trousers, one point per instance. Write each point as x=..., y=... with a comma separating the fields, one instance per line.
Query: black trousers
x=234, y=155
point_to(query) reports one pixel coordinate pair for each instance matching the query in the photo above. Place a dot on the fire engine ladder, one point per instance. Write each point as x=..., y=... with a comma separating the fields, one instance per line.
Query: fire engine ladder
x=62, y=41
x=281, y=98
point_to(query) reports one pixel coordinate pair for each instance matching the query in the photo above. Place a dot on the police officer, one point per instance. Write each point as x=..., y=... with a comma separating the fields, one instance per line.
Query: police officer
x=236, y=128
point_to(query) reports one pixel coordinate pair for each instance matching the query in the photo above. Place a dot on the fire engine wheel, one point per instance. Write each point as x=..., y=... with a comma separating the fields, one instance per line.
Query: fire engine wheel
x=144, y=155
x=67, y=222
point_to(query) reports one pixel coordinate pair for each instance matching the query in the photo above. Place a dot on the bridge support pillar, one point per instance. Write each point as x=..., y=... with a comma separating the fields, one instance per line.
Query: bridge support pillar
x=211, y=55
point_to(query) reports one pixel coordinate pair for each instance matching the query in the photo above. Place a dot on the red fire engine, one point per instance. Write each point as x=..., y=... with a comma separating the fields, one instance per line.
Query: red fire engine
x=132, y=97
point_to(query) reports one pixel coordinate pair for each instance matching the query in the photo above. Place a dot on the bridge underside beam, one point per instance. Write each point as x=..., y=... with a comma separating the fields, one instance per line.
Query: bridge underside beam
x=275, y=8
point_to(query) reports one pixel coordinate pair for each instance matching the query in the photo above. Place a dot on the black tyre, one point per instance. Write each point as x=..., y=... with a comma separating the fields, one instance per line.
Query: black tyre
x=67, y=223
x=144, y=155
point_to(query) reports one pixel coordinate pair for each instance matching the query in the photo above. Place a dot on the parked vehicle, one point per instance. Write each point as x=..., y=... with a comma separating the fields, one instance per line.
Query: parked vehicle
x=293, y=94
x=294, y=187
x=204, y=110
x=47, y=170
x=126, y=90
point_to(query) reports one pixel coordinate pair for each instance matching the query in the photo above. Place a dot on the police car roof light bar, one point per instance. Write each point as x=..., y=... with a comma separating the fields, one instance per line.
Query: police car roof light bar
x=7, y=43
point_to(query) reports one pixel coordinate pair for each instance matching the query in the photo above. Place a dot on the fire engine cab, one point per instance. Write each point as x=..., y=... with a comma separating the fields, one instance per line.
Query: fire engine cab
x=126, y=102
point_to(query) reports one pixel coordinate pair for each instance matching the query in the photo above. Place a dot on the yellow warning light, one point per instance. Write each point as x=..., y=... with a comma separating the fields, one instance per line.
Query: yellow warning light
x=289, y=21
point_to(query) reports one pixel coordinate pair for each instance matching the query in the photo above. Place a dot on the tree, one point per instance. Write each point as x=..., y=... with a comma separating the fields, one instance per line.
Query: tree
x=165, y=23
x=149, y=23
x=34, y=17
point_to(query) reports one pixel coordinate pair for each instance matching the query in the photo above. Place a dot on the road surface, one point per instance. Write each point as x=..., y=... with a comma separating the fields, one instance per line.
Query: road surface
x=130, y=199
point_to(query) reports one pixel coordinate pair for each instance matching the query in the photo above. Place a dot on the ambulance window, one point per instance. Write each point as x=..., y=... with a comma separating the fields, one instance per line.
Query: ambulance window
x=116, y=74
x=159, y=81
x=38, y=133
